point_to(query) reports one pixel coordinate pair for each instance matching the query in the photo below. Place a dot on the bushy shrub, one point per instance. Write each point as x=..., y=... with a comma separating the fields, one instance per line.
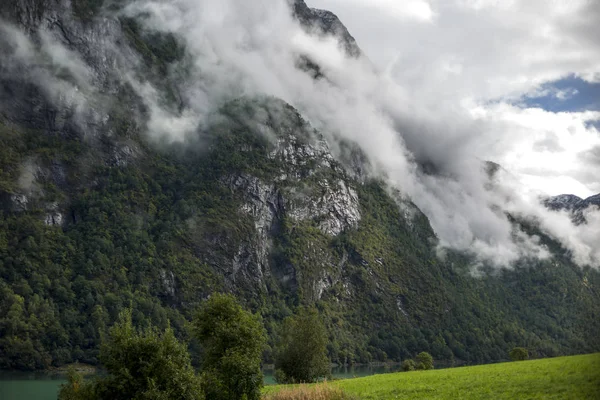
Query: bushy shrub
x=519, y=354
x=424, y=360
x=233, y=341
x=75, y=388
x=301, y=355
x=140, y=364
x=408, y=365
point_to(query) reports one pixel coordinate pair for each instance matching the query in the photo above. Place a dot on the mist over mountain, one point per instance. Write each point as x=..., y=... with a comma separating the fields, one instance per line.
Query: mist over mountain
x=154, y=152
x=571, y=202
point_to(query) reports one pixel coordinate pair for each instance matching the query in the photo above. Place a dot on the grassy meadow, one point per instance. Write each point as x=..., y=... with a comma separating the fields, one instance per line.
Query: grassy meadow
x=576, y=377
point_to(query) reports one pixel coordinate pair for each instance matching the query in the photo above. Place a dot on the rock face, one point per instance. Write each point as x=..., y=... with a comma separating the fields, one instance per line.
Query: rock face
x=40, y=99
x=326, y=23
x=592, y=201
x=307, y=187
x=563, y=202
x=327, y=197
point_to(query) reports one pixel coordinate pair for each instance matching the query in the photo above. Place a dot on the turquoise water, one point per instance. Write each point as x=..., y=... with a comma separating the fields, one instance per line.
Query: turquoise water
x=346, y=372
x=29, y=386
x=40, y=386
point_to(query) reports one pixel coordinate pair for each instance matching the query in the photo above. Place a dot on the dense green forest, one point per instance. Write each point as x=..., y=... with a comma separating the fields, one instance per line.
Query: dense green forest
x=92, y=223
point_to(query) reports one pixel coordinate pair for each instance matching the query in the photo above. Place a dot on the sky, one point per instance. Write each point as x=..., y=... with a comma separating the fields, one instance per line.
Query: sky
x=531, y=66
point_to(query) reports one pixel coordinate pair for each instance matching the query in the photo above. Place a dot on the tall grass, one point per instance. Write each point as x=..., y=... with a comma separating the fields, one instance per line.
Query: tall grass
x=316, y=392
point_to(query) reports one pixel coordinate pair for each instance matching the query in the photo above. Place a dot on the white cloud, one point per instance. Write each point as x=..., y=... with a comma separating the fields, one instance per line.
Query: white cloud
x=565, y=94
x=477, y=52
x=504, y=47
x=545, y=148
x=61, y=74
x=419, y=10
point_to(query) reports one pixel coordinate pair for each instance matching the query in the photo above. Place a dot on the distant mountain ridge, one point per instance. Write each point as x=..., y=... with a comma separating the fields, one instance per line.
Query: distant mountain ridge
x=327, y=23
x=573, y=204
x=570, y=202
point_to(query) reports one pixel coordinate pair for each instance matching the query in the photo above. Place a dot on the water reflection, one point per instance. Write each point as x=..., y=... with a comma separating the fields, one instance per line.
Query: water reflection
x=44, y=386
x=29, y=386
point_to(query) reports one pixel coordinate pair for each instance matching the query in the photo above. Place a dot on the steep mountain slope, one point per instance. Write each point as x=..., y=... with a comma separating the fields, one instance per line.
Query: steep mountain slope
x=97, y=215
x=325, y=22
x=573, y=204
x=562, y=202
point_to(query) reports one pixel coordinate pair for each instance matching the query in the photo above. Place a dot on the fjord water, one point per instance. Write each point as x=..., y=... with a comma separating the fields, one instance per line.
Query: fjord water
x=29, y=386
x=346, y=372
x=43, y=386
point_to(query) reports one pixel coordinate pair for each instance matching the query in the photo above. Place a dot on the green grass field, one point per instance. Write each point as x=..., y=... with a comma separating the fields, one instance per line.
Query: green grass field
x=576, y=377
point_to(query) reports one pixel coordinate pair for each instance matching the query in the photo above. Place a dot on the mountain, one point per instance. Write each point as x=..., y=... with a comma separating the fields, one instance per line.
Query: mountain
x=562, y=202
x=98, y=215
x=573, y=204
x=325, y=22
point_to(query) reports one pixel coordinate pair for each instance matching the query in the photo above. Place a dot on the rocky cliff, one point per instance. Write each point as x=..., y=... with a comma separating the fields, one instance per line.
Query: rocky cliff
x=325, y=22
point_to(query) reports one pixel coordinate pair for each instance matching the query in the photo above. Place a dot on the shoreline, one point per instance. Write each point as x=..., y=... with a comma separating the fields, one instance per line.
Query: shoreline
x=270, y=367
x=89, y=369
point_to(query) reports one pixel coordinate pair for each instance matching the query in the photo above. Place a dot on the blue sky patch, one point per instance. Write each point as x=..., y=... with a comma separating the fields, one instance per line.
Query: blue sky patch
x=570, y=94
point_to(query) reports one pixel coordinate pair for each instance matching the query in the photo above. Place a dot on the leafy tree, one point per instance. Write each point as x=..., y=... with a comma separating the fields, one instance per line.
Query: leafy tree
x=424, y=360
x=409, y=365
x=519, y=354
x=141, y=364
x=233, y=340
x=75, y=388
x=302, y=352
